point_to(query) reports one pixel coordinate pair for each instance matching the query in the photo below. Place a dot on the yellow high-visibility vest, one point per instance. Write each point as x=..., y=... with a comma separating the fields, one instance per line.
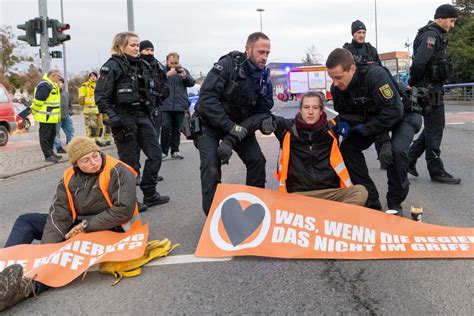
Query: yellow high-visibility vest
x=49, y=110
x=86, y=93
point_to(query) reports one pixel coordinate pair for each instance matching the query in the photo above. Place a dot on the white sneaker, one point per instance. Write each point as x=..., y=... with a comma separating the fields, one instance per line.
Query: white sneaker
x=164, y=157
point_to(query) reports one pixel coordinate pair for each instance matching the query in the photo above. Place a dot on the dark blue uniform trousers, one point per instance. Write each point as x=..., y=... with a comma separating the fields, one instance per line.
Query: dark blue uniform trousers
x=249, y=152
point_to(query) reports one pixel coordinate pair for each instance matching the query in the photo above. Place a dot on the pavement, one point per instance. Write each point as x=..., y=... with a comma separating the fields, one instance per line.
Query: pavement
x=22, y=153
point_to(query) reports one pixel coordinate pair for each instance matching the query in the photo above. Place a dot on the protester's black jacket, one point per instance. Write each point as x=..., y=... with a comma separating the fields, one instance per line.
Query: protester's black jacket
x=309, y=167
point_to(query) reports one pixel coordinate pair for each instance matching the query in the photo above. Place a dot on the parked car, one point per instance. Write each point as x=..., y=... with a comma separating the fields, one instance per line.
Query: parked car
x=7, y=116
x=24, y=118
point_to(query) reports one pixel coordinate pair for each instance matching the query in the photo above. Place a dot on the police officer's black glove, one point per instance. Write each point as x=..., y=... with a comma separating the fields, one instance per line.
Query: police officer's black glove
x=385, y=154
x=269, y=125
x=224, y=152
x=238, y=132
x=114, y=121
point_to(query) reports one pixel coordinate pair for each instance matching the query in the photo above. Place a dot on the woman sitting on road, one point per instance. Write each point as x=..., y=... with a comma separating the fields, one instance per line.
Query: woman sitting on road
x=97, y=193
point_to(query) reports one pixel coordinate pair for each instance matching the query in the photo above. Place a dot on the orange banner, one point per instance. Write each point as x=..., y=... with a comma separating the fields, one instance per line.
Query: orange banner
x=248, y=221
x=58, y=264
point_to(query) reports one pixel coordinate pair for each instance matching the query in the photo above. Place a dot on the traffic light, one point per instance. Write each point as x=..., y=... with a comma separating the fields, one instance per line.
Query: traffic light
x=30, y=28
x=57, y=29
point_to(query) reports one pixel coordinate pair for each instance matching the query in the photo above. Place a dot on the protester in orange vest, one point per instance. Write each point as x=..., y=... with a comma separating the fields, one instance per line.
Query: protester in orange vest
x=310, y=161
x=96, y=193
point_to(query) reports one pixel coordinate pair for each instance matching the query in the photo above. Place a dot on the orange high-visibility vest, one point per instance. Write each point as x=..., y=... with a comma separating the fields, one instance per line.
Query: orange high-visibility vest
x=104, y=181
x=336, y=161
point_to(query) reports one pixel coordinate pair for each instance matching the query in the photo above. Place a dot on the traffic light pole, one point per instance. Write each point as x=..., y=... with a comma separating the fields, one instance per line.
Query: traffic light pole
x=66, y=86
x=43, y=12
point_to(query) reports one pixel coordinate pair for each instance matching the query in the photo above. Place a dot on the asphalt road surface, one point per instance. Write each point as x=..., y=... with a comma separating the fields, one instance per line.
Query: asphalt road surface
x=254, y=285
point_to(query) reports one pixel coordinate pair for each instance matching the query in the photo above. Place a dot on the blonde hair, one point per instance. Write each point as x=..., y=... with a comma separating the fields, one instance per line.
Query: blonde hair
x=172, y=54
x=120, y=40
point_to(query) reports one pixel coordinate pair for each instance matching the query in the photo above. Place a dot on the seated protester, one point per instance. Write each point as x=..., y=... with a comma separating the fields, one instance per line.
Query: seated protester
x=310, y=162
x=96, y=193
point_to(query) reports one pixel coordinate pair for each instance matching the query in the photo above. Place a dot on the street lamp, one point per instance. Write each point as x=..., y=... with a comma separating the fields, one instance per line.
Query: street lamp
x=376, y=35
x=260, y=10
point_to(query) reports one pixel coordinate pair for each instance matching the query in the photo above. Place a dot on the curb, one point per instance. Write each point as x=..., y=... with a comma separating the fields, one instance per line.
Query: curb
x=5, y=176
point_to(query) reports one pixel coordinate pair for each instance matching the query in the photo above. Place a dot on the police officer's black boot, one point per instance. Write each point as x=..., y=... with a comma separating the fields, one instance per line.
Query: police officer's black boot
x=376, y=205
x=445, y=177
x=155, y=199
x=412, y=168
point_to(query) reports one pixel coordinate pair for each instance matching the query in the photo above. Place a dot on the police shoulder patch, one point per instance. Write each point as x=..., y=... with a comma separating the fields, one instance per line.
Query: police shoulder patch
x=386, y=91
x=430, y=42
x=104, y=70
x=218, y=67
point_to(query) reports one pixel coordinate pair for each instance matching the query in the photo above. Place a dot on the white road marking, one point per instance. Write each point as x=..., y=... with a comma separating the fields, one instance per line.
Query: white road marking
x=181, y=259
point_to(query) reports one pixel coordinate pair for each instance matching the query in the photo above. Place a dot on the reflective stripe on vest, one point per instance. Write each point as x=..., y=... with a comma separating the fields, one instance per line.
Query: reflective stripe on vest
x=335, y=160
x=104, y=181
x=49, y=110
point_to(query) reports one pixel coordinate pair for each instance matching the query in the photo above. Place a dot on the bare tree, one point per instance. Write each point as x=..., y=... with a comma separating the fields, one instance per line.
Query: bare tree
x=311, y=56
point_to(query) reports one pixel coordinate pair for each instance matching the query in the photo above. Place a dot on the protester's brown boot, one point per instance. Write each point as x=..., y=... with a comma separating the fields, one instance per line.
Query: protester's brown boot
x=25, y=289
x=10, y=280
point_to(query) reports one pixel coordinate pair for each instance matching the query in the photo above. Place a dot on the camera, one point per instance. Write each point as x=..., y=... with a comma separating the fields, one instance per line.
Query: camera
x=179, y=69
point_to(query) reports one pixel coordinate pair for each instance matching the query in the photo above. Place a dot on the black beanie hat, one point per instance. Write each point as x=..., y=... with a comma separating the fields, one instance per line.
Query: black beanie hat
x=145, y=44
x=356, y=26
x=446, y=11
x=93, y=73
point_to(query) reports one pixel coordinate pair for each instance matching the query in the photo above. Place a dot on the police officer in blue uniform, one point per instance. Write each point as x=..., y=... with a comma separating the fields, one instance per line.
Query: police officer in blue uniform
x=430, y=69
x=123, y=93
x=237, y=87
x=368, y=105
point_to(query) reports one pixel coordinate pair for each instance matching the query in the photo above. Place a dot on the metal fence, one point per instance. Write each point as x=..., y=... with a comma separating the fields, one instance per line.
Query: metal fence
x=462, y=92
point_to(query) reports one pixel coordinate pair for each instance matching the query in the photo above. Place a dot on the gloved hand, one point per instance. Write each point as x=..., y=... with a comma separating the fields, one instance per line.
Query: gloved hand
x=238, y=132
x=224, y=152
x=79, y=228
x=359, y=128
x=114, y=121
x=385, y=154
x=343, y=128
x=269, y=125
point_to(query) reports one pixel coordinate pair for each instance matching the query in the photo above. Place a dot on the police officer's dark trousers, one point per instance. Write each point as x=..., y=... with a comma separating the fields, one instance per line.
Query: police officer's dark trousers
x=138, y=134
x=249, y=152
x=351, y=149
x=402, y=136
x=429, y=141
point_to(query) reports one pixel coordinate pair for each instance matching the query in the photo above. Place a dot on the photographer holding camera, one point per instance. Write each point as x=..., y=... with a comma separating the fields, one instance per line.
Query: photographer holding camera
x=174, y=106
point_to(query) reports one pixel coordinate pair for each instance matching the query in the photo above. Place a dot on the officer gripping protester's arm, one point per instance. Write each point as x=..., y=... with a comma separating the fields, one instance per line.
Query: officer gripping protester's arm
x=123, y=93
x=78, y=206
x=365, y=54
x=231, y=92
x=430, y=69
x=368, y=105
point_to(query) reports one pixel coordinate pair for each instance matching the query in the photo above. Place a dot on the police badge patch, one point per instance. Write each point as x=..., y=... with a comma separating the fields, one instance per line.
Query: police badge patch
x=430, y=41
x=386, y=91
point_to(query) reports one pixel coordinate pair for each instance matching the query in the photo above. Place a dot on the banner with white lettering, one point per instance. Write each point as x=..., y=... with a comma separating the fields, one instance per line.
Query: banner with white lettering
x=59, y=264
x=248, y=221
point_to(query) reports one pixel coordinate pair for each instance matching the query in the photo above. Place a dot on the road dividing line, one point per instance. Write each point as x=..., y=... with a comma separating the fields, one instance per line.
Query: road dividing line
x=181, y=259
x=185, y=259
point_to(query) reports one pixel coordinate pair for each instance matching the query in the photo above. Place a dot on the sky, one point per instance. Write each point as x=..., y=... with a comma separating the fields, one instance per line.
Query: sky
x=202, y=31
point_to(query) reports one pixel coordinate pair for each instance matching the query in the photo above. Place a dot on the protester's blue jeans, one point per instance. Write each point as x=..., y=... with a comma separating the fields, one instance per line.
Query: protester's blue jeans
x=27, y=228
x=68, y=128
